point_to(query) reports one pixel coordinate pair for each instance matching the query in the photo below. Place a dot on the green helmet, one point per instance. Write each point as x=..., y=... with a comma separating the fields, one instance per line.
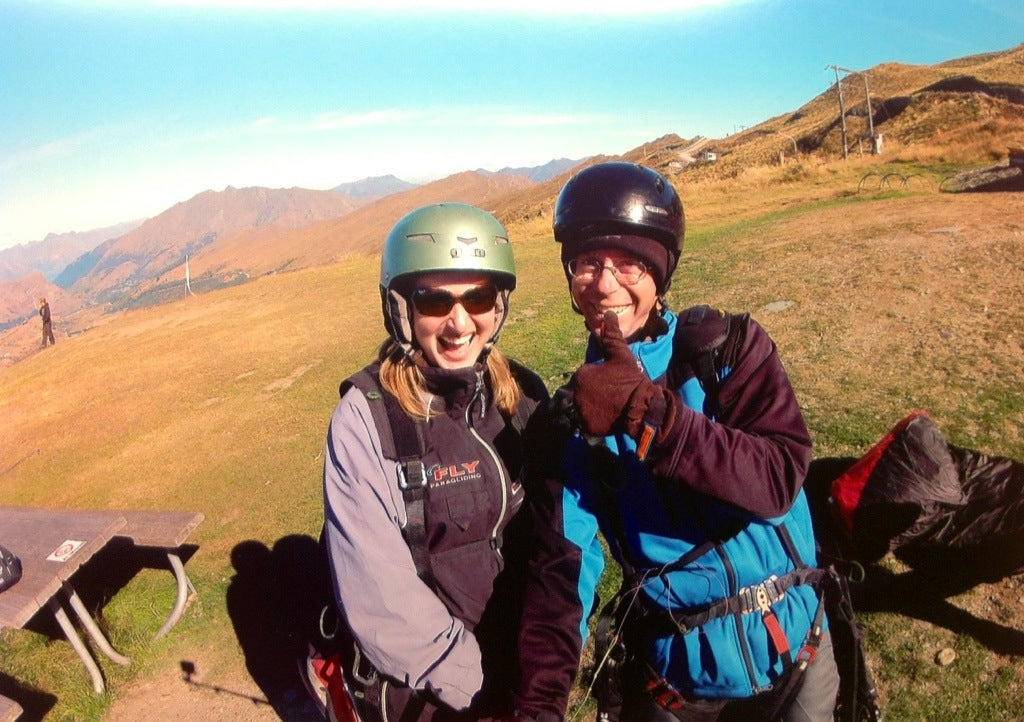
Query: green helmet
x=442, y=237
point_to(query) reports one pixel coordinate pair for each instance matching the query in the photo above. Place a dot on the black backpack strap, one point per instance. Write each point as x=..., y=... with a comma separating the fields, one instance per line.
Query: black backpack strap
x=858, y=693
x=403, y=439
x=701, y=333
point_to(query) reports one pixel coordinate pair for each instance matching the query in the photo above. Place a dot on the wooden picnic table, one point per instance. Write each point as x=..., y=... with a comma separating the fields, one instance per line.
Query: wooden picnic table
x=54, y=543
x=166, y=530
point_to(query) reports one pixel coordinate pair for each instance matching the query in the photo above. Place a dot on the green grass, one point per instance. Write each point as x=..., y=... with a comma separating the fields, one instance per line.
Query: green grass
x=219, y=403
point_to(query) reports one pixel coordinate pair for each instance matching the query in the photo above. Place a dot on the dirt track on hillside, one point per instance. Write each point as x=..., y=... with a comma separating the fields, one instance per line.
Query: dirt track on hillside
x=891, y=297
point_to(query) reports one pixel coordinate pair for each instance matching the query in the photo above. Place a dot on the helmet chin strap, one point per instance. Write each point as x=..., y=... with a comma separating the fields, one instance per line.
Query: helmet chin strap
x=501, y=309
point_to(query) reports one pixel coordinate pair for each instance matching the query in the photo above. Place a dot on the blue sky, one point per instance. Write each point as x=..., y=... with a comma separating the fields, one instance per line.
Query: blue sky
x=116, y=110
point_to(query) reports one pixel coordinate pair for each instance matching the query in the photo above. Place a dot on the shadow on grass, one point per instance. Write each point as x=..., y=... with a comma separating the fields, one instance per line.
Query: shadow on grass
x=35, y=704
x=97, y=582
x=921, y=593
x=271, y=599
x=109, y=571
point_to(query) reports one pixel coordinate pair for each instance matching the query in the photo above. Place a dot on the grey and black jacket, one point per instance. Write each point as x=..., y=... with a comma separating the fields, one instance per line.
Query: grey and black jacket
x=451, y=635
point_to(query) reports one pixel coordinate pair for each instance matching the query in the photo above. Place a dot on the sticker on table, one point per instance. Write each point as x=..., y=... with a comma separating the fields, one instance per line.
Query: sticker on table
x=65, y=550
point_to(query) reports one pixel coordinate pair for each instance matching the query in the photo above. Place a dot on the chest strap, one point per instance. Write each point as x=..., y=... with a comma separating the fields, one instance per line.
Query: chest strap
x=753, y=598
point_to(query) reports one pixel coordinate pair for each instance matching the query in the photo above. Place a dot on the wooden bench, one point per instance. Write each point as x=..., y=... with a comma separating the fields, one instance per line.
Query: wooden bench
x=54, y=543
x=9, y=709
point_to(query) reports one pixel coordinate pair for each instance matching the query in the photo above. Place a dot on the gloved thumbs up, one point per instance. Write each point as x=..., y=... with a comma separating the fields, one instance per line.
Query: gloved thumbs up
x=602, y=389
x=615, y=395
x=613, y=343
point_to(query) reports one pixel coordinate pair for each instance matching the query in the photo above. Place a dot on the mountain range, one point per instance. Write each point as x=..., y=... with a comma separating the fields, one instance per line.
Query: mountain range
x=228, y=236
x=231, y=236
x=51, y=255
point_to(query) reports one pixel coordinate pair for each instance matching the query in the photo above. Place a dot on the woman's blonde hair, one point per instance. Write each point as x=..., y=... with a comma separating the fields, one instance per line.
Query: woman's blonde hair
x=400, y=376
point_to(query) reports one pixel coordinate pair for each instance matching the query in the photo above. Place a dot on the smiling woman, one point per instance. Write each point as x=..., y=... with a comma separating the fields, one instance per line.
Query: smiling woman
x=453, y=317
x=423, y=482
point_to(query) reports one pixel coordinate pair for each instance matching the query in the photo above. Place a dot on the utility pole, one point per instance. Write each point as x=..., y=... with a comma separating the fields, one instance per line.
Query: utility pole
x=842, y=111
x=871, y=116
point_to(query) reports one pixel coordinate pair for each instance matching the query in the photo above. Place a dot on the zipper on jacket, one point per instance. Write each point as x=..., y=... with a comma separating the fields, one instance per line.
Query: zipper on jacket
x=480, y=395
x=741, y=635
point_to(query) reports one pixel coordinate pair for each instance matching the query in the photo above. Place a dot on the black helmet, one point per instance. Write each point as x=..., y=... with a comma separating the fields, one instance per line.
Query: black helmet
x=622, y=205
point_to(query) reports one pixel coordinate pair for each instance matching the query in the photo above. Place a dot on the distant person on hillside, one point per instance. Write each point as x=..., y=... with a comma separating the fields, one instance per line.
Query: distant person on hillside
x=44, y=313
x=689, y=457
x=423, y=483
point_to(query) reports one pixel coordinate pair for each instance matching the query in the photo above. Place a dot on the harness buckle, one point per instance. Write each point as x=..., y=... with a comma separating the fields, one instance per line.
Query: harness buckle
x=364, y=678
x=759, y=597
x=747, y=599
x=806, y=656
x=411, y=476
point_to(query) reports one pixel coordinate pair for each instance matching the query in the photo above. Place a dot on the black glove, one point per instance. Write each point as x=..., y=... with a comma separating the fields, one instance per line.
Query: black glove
x=616, y=395
x=562, y=415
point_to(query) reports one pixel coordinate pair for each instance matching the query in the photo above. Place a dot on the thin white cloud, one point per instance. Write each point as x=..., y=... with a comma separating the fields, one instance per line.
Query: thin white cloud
x=544, y=120
x=49, y=150
x=343, y=120
x=329, y=122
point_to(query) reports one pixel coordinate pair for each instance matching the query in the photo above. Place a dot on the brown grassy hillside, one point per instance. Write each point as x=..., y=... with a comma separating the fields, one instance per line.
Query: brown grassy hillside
x=262, y=250
x=965, y=111
x=929, y=112
x=956, y=114
x=120, y=265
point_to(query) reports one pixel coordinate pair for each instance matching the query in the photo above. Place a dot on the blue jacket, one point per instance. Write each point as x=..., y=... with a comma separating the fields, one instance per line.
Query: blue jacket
x=729, y=487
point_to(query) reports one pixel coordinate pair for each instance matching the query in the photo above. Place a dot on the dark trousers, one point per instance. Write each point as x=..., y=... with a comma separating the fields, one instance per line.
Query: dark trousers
x=48, y=333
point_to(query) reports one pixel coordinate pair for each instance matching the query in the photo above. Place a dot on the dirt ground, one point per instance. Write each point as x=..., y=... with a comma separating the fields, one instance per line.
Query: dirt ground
x=950, y=263
x=169, y=697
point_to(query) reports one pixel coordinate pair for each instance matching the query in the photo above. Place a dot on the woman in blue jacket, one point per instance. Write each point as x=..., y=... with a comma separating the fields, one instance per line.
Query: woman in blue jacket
x=689, y=460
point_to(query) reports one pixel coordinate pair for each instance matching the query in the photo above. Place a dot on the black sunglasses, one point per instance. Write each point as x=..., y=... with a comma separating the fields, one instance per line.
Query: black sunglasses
x=437, y=302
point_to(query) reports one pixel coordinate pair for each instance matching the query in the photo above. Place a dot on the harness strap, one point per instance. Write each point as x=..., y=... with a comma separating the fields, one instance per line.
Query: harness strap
x=410, y=445
x=808, y=651
x=701, y=333
x=787, y=541
x=667, y=697
x=404, y=439
x=753, y=598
